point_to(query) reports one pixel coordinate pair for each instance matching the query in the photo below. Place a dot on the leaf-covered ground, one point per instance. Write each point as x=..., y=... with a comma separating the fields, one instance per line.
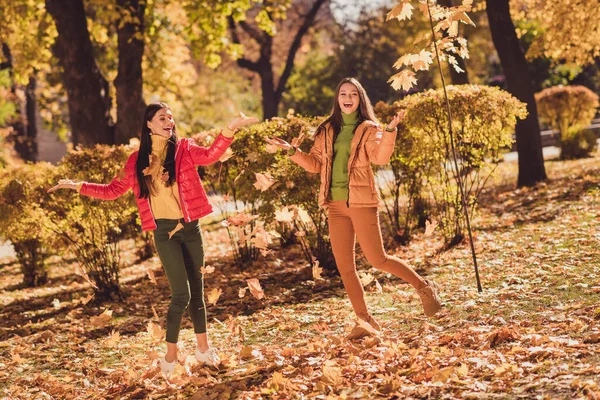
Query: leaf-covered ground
x=534, y=332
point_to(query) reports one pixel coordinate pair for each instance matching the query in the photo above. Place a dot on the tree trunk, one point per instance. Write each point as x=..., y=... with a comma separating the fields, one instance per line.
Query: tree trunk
x=24, y=126
x=271, y=92
x=87, y=90
x=129, y=82
x=30, y=113
x=457, y=78
x=518, y=83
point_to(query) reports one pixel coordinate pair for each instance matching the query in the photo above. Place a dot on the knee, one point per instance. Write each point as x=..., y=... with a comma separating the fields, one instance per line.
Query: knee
x=380, y=260
x=181, y=299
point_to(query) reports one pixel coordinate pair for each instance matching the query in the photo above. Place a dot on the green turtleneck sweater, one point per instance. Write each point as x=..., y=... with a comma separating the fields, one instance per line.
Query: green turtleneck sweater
x=341, y=155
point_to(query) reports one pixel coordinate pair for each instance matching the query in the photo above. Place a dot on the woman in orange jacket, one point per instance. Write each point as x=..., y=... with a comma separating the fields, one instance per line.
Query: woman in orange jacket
x=344, y=147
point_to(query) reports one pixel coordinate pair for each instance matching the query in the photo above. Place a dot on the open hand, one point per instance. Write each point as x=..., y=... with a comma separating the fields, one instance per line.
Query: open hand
x=65, y=184
x=240, y=121
x=396, y=120
x=275, y=141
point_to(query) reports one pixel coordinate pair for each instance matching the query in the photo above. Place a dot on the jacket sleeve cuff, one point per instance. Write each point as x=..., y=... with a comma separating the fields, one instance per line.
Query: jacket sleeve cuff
x=228, y=133
x=78, y=186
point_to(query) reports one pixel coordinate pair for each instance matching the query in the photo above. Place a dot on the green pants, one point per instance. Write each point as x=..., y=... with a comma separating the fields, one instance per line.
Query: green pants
x=181, y=257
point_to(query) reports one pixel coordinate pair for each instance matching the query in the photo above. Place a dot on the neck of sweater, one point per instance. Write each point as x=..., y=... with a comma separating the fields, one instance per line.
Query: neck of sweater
x=350, y=119
x=159, y=144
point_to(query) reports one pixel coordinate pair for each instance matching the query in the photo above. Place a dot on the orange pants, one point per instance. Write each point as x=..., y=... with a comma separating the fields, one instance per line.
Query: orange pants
x=345, y=225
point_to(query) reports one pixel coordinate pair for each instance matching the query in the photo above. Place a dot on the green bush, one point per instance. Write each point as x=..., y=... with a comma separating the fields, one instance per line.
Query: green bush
x=23, y=219
x=569, y=109
x=235, y=179
x=92, y=228
x=483, y=120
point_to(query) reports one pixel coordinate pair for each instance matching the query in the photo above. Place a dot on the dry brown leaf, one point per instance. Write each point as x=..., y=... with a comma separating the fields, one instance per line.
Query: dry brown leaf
x=101, y=320
x=430, y=227
x=332, y=373
x=263, y=181
x=155, y=331
x=255, y=288
x=151, y=276
x=360, y=330
x=242, y=292
x=113, y=338
x=316, y=270
x=284, y=215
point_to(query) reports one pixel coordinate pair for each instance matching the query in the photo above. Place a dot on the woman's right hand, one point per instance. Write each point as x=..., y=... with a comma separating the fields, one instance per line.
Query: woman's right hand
x=66, y=184
x=282, y=144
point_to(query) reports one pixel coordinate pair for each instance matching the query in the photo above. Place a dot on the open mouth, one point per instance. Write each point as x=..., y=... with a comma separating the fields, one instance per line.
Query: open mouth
x=348, y=105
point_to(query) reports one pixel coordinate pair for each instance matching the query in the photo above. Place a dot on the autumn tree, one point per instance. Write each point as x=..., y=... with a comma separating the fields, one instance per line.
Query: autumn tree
x=257, y=34
x=518, y=83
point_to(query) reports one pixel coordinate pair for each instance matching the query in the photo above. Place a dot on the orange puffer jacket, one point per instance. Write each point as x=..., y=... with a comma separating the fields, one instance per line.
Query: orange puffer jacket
x=369, y=145
x=194, y=202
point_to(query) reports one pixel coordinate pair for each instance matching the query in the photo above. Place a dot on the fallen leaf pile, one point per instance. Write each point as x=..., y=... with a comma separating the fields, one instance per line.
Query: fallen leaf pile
x=283, y=328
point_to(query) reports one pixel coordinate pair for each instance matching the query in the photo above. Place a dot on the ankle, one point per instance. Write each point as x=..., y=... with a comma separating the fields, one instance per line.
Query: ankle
x=203, y=348
x=421, y=284
x=170, y=357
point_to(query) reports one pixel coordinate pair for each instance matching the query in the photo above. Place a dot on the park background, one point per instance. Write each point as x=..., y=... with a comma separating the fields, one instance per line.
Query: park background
x=83, y=295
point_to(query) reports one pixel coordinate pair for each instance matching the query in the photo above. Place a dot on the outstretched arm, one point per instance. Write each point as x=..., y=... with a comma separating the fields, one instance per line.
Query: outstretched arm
x=208, y=155
x=119, y=185
x=380, y=144
x=311, y=161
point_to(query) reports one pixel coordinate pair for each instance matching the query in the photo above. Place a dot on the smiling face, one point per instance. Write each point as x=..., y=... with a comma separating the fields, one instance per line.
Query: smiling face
x=348, y=98
x=162, y=124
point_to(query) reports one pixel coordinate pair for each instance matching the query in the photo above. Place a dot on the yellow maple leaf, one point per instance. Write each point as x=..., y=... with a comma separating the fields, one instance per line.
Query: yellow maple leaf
x=284, y=215
x=402, y=11
x=404, y=80
x=214, y=295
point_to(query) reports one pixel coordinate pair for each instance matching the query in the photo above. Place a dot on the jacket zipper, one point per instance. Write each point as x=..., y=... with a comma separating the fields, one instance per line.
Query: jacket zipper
x=352, y=165
x=186, y=213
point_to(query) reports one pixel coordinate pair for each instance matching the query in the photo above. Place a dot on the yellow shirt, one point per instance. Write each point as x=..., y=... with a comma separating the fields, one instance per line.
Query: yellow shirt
x=164, y=199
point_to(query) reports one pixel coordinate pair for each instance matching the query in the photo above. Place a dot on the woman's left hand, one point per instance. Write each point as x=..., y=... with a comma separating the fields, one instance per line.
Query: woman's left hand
x=240, y=121
x=396, y=120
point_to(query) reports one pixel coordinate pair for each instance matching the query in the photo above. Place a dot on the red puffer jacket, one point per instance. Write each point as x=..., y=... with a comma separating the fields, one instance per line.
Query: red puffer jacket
x=194, y=202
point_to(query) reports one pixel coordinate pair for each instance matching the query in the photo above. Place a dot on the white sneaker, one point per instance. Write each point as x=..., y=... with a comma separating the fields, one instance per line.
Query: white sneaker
x=208, y=357
x=167, y=367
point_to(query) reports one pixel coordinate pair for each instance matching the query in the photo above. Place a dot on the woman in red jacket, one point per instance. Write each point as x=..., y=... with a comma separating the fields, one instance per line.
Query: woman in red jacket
x=345, y=146
x=171, y=199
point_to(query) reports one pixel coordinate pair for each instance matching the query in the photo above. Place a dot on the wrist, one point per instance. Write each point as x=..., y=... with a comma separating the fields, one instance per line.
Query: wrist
x=228, y=132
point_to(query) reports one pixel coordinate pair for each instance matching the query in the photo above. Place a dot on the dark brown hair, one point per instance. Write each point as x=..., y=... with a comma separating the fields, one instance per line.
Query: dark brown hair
x=143, y=159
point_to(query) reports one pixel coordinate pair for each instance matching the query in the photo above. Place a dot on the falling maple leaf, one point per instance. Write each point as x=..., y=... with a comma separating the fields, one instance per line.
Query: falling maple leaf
x=303, y=215
x=271, y=148
x=240, y=219
x=209, y=269
x=263, y=181
x=56, y=304
x=113, y=338
x=255, y=289
x=366, y=278
x=316, y=270
x=151, y=276
x=242, y=292
x=252, y=156
x=155, y=168
x=430, y=227
x=284, y=215
x=214, y=295
x=155, y=331
x=226, y=155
